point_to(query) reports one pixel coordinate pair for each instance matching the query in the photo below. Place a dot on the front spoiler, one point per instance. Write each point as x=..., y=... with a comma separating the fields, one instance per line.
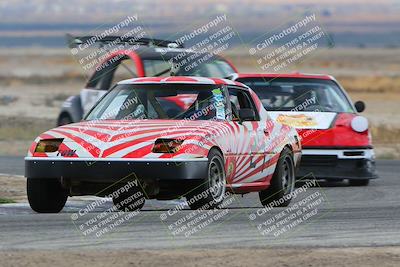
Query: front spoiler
x=112, y=170
x=334, y=164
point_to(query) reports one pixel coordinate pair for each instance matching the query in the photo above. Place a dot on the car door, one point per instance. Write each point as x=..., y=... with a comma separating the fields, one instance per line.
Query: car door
x=249, y=146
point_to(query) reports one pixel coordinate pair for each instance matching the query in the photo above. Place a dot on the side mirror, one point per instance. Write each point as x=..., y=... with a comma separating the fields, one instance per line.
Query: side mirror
x=247, y=114
x=360, y=106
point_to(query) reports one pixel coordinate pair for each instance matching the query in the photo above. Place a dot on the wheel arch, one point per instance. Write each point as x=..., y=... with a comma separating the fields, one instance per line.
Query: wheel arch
x=63, y=114
x=289, y=146
x=71, y=107
x=218, y=149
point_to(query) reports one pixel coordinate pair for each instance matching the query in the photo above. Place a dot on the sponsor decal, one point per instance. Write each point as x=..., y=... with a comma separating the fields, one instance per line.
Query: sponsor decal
x=304, y=120
x=66, y=153
x=300, y=120
x=230, y=169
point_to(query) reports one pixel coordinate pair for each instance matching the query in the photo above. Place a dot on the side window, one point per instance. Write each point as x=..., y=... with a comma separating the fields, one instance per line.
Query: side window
x=156, y=67
x=224, y=69
x=241, y=100
x=214, y=68
x=113, y=71
x=126, y=69
x=98, y=80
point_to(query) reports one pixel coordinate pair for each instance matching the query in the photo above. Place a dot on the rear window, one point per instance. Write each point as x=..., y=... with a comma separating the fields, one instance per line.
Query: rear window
x=212, y=68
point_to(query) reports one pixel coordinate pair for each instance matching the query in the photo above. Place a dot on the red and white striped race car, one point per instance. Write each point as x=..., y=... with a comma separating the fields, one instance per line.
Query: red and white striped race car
x=335, y=138
x=133, y=145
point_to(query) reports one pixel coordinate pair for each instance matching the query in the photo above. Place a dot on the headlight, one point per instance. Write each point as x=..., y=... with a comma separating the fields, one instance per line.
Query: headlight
x=48, y=145
x=359, y=124
x=166, y=145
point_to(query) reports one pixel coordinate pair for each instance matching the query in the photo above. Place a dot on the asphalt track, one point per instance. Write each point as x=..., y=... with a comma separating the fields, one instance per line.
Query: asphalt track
x=334, y=215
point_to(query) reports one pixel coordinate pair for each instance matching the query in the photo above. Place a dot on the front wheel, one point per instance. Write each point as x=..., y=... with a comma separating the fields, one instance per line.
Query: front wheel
x=282, y=182
x=211, y=193
x=46, y=195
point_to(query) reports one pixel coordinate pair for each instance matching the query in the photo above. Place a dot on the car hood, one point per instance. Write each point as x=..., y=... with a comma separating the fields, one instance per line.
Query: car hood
x=132, y=139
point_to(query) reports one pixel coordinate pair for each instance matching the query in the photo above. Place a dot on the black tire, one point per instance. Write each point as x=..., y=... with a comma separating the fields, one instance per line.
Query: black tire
x=358, y=182
x=46, y=195
x=64, y=120
x=211, y=193
x=282, y=182
x=129, y=201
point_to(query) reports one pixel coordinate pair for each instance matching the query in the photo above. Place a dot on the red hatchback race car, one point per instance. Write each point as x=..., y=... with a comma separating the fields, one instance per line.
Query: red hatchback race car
x=335, y=138
x=223, y=141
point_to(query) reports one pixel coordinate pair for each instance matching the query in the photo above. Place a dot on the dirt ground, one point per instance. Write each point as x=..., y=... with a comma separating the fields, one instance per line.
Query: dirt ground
x=13, y=187
x=307, y=257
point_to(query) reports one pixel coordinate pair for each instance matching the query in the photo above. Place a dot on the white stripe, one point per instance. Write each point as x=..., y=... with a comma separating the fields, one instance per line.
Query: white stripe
x=270, y=170
x=165, y=81
x=205, y=80
x=368, y=153
x=266, y=172
x=80, y=150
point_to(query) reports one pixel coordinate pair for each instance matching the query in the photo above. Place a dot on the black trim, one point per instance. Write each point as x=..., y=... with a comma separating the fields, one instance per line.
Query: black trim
x=74, y=41
x=112, y=171
x=327, y=167
x=338, y=147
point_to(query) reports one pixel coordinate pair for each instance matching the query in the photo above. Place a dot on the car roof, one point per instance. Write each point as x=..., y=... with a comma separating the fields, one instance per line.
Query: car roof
x=182, y=79
x=283, y=75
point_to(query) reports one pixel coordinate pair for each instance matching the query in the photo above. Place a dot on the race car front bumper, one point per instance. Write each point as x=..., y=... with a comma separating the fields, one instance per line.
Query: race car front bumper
x=113, y=170
x=352, y=163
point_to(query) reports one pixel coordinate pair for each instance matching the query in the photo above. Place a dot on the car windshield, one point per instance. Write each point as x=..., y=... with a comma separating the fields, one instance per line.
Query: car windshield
x=295, y=94
x=161, y=101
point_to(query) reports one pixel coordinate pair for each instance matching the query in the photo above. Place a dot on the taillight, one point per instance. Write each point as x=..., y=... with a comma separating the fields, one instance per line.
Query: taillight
x=167, y=145
x=48, y=145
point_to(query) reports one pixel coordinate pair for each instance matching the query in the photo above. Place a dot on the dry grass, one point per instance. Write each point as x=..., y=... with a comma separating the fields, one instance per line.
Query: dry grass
x=12, y=189
x=6, y=201
x=371, y=84
x=17, y=128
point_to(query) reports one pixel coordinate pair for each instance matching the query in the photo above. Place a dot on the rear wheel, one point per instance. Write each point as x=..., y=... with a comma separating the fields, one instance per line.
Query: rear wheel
x=358, y=182
x=210, y=194
x=46, y=195
x=131, y=200
x=282, y=182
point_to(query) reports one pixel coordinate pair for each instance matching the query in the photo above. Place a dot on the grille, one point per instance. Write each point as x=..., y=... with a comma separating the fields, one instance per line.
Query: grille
x=320, y=160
